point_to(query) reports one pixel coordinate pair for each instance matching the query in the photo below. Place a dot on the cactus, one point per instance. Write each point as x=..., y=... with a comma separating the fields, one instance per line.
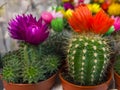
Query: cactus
x=88, y=58
x=11, y=65
x=57, y=42
x=117, y=64
x=115, y=42
x=28, y=64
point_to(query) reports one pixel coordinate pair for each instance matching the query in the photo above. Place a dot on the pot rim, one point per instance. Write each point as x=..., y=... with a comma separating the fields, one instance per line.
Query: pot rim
x=20, y=84
x=116, y=74
x=104, y=83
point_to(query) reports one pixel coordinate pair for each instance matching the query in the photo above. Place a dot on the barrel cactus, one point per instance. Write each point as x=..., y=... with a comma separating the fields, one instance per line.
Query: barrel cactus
x=88, y=58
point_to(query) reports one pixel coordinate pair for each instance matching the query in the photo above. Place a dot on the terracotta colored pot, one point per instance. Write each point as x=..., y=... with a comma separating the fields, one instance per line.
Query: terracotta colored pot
x=44, y=85
x=117, y=80
x=69, y=86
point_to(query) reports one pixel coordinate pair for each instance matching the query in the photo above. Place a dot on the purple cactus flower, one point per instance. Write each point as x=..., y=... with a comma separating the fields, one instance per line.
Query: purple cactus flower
x=116, y=23
x=68, y=5
x=26, y=28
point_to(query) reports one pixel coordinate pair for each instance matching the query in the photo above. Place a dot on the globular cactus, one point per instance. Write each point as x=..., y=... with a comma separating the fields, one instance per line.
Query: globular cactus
x=88, y=58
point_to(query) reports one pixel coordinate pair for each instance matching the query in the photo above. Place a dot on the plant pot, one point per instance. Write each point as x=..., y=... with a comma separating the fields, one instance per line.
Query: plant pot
x=44, y=85
x=117, y=80
x=69, y=86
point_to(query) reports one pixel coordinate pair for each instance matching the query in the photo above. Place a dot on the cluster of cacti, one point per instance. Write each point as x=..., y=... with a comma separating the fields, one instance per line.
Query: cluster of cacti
x=88, y=58
x=28, y=64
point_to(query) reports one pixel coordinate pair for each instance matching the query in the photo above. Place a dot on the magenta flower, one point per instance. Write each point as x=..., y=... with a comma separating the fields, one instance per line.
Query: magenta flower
x=116, y=23
x=68, y=5
x=26, y=28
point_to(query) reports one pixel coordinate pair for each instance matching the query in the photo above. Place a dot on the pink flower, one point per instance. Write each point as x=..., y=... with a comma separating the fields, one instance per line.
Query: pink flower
x=56, y=14
x=116, y=23
x=47, y=17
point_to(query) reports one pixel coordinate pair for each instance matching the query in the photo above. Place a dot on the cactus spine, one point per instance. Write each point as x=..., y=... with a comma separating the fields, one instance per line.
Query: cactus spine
x=88, y=58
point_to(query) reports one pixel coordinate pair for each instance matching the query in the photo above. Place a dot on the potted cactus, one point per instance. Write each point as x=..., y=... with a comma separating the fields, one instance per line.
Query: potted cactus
x=30, y=67
x=88, y=54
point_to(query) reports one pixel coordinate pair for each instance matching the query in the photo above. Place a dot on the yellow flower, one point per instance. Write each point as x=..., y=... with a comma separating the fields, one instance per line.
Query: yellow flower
x=114, y=9
x=68, y=13
x=67, y=1
x=101, y=1
x=94, y=8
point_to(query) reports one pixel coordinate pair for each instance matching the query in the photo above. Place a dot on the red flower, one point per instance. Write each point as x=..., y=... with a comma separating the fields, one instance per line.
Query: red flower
x=80, y=18
x=83, y=21
x=101, y=23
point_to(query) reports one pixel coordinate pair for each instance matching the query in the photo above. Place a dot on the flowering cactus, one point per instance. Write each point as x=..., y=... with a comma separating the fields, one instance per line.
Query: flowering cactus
x=83, y=21
x=26, y=28
x=88, y=52
x=116, y=23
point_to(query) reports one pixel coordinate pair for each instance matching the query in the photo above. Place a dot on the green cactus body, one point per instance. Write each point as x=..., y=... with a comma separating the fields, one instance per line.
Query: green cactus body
x=57, y=42
x=28, y=64
x=88, y=58
x=117, y=64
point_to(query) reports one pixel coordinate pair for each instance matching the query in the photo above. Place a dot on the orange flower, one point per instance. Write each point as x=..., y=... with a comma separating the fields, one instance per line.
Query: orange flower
x=83, y=21
x=79, y=19
x=101, y=23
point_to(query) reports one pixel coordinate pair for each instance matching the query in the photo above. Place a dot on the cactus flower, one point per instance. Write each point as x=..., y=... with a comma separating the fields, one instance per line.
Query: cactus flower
x=80, y=1
x=47, y=17
x=114, y=9
x=67, y=1
x=105, y=6
x=56, y=14
x=68, y=5
x=94, y=8
x=68, y=13
x=83, y=21
x=26, y=28
x=116, y=23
